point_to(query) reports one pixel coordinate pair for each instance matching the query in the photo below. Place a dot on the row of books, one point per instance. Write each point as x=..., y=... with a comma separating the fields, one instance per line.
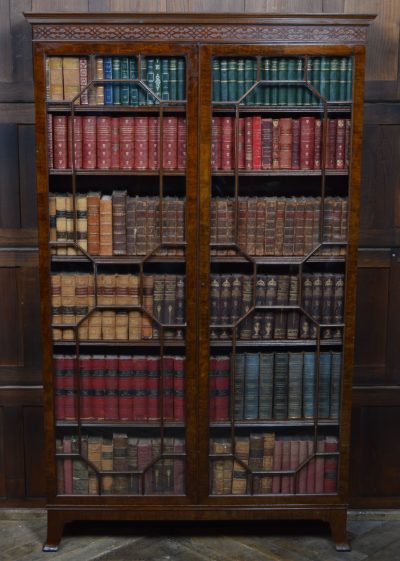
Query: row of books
x=116, y=224
x=120, y=453
x=120, y=143
x=330, y=76
x=285, y=143
x=271, y=452
x=281, y=226
x=231, y=298
x=277, y=386
x=119, y=387
x=67, y=76
x=73, y=297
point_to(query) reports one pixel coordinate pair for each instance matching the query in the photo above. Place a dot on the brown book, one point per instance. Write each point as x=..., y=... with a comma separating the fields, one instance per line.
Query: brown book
x=61, y=223
x=55, y=78
x=120, y=463
x=267, y=462
x=260, y=226
x=106, y=289
x=270, y=225
x=288, y=232
x=82, y=302
x=69, y=219
x=308, y=227
x=71, y=78
x=94, y=320
x=239, y=481
x=106, y=226
x=148, y=290
x=52, y=221
x=242, y=222
x=280, y=225
x=99, y=89
x=81, y=221
x=327, y=305
x=122, y=298
x=119, y=222
x=340, y=147
x=134, y=317
x=94, y=456
x=131, y=229
x=299, y=219
x=285, y=143
x=83, y=80
x=251, y=225
x=107, y=465
x=56, y=305
x=256, y=454
x=68, y=304
x=141, y=220
x=296, y=144
x=93, y=223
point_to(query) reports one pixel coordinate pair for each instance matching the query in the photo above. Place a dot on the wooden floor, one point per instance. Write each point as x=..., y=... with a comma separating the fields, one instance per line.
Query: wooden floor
x=373, y=536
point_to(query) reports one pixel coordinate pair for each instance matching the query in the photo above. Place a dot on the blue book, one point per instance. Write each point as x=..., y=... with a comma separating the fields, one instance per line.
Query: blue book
x=108, y=89
x=251, y=376
x=309, y=380
x=336, y=377
x=324, y=385
x=239, y=386
x=266, y=385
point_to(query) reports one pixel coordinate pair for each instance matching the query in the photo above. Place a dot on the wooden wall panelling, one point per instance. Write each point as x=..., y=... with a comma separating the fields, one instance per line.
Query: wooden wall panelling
x=374, y=473
x=27, y=176
x=284, y=6
x=191, y=6
x=34, y=443
x=9, y=177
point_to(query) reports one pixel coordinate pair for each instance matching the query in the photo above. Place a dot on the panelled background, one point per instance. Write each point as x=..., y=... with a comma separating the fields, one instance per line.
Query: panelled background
x=375, y=456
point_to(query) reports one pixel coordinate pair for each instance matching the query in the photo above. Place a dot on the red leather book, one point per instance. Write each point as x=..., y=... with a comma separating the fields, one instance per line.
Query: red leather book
x=285, y=143
x=50, y=161
x=153, y=388
x=170, y=142
x=285, y=480
x=211, y=389
x=141, y=158
x=60, y=142
x=75, y=145
x=241, y=144
x=125, y=364
x=89, y=142
x=104, y=142
x=319, y=467
x=111, y=388
x=154, y=142
x=295, y=144
x=294, y=462
x=179, y=467
x=139, y=388
x=227, y=143
x=318, y=144
x=277, y=466
x=167, y=370
x=331, y=465
x=85, y=370
x=182, y=148
x=67, y=449
x=216, y=143
x=256, y=142
x=179, y=388
x=347, y=143
x=115, y=143
x=98, y=386
x=126, y=142
x=340, y=143
x=330, y=155
x=307, y=128
x=248, y=142
x=222, y=378
x=302, y=476
x=68, y=387
x=266, y=141
x=275, y=143
x=311, y=468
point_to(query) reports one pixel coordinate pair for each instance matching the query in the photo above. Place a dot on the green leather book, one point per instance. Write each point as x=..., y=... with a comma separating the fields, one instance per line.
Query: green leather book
x=292, y=75
x=316, y=73
x=240, y=78
x=248, y=79
x=124, y=76
x=274, y=76
x=180, y=84
x=324, y=77
x=334, y=79
x=157, y=78
x=173, y=78
x=232, y=79
x=299, y=76
x=224, y=79
x=309, y=377
x=164, y=79
x=266, y=385
x=257, y=93
x=116, y=75
x=342, y=78
x=251, y=377
x=133, y=88
x=143, y=77
x=283, y=75
x=150, y=80
x=266, y=75
x=349, y=89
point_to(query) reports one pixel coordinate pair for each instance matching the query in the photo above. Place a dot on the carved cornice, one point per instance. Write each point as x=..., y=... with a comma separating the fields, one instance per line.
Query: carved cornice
x=212, y=32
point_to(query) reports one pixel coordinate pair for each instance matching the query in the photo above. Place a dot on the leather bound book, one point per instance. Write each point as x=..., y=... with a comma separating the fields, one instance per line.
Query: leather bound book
x=81, y=221
x=182, y=148
x=232, y=79
x=216, y=143
x=122, y=298
x=141, y=132
x=336, y=375
x=328, y=222
x=320, y=466
x=120, y=463
x=134, y=317
x=293, y=316
x=294, y=461
x=106, y=226
x=307, y=142
x=295, y=385
x=141, y=224
x=158, y=303
x=179, y=316
x=119, y=222
x=179, y=388
x=256, y=141
x=170, y=143
x=279, y=225
x=106, y=464
x=167, y=373
x=239, y=362
x=334, y=79
x=227, y=143
x=310, y=468
x=82, y=302
x=327, y=304
x=256, y=454
x=280, y=411
x=180, y=85
x=103, y=142
x=239, y=480
x=241, y=143
x=61, y=373
x=347, y=154
x=106, y=296
x=266, y=143
x=245, y=326
x=308, y=227
x=216, y=79
x=180, y=223
x=330, y=465
x=299, y=226
x=98, y=392
x=338, y=304
x=83, y=80
x=266, y=385
x=286, y=449
x=288, y=233
x=307, y=294
x=270, y=219
x=301, y=487
x=165, y=79
x=212, y=410
x=285, y=143
x=251, y=379
x=154, y=142
x=97, y=95
x=115, y=126
x=324, y=385
x=251, y=225
x=221, y=389
x=55, y=78
x=116, y=75
x=126, y=142
x=242, y=222
x=148, y=291
x=50, y=152
x=330, y=152
x=68, y=304
x=89, y=137
x=75, y=143
x=169, y=307
x=316, y=303
x=139, y=388
x=225, y=304
x=277, y=465
x=236, y=298
x=69, y=219
x=124, y=76
x=61, y=222
x=93, y=223
x=275, y=143
x=52, y=221
x=71, y=82
x=318, y=144
x=215, y=305
x=267, y=462
x=111, y=397
x=295, y=144
x=153, y=388
x=315, y=203
x=340, y=146
x=60, y=142
x=85, y=378
x=179, y=467
x=131, y=231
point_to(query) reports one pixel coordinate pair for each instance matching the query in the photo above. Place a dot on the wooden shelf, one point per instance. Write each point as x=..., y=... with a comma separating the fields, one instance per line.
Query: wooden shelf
x=341, y=107
x=271, y=260
x=128, y=260
x=65, y=107
x=149, y=172
x=279, y=172
x=117, y=343
x=276, y=343
x=122, y=424
x=290, y=423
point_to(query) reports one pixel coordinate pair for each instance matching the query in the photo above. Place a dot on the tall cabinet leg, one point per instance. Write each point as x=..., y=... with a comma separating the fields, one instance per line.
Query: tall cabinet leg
x=55, y=528
x=338, y=523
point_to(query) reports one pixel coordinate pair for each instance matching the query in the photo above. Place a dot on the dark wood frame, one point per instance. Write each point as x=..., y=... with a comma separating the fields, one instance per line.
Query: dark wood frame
x=197, y=38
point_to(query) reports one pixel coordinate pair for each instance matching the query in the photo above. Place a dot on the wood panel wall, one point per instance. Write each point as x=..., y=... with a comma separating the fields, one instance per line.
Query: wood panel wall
x=375, y=462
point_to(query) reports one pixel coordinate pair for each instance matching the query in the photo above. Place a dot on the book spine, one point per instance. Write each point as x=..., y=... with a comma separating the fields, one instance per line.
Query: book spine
x=103, y=156
x=153, y=388
x=108, y=75
x=216, y=77
x=330, y=154
x=154, y=143
x=179, y=388
x=119, y=222
x=307, y=147
x=227, y=143
x=83, y=80
x=285, y=143
x=216, y=143
x=141, y=139
x=266, y=140
x=89, y=142
x=256, y=142
x=170, y=143
x=60, y=142
x=97, y=96
x=182, y=149
x=340, y=145
x=115, y=143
